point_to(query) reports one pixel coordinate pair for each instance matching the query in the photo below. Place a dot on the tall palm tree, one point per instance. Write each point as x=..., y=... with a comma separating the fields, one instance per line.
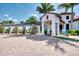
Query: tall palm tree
x=72, y=5
x=69, y=6
x=66, y=6
x=45, y=8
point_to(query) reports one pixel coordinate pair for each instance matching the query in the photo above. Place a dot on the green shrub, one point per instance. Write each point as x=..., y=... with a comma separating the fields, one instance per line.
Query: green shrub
x=1, y=30
x=20, y=30
x=73, y=32
x=34, y=30
x=7, y=30
x=77, y=31
x=29, y=30
x=45, y=32
x=23, y=31
x=15, y=30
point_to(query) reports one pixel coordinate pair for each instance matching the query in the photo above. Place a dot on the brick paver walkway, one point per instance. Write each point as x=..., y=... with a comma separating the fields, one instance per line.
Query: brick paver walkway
x=37, y=45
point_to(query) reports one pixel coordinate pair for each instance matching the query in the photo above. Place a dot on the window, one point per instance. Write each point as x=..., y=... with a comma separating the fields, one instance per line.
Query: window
x=46, y=16
x=67, y=17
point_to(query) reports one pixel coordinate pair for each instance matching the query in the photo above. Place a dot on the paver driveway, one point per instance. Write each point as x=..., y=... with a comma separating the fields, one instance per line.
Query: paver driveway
x=37, y=45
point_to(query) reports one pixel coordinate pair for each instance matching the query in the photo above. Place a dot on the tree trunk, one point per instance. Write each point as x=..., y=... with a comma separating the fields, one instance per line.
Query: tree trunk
x=66, y=10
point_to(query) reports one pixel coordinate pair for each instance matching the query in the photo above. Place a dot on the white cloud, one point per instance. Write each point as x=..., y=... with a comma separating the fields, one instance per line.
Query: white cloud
x=9, y=18
x=15, y=20
x=6, y=15
x=34, y=15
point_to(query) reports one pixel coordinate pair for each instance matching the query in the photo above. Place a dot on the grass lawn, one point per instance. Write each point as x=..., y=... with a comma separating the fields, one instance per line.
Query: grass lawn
x=66, y=38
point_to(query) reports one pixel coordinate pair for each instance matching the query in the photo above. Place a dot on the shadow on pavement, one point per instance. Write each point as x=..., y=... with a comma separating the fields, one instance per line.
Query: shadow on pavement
x=49, y=40
x=56, y=42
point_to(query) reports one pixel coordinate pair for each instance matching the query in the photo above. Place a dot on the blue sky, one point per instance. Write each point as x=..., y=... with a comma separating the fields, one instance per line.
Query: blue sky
x=21, y=11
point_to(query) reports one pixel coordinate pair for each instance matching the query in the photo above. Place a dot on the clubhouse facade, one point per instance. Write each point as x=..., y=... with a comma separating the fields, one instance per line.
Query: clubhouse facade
x=55, y=23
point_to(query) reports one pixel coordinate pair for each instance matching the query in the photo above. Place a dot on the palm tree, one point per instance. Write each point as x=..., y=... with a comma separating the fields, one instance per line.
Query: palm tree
x=22, y=22
x=72, y=5
x=7, y=22
x=66, y=6
x=69, y=6
x=45, y=8
x=32, y=20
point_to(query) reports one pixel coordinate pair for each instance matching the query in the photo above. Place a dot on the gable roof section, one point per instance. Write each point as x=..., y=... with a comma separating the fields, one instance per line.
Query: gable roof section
x=66, y=13
x=54, y=14
x=75, y=19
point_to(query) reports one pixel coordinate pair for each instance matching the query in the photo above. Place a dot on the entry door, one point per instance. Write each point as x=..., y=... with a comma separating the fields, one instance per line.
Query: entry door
x=67, y=26
x=61, y=28
x=56, y=28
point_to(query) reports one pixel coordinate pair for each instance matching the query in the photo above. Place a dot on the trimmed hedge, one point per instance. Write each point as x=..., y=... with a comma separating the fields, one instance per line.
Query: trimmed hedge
x=73, y=32
x=7, y=30
x=1, y=30
x=34, y=30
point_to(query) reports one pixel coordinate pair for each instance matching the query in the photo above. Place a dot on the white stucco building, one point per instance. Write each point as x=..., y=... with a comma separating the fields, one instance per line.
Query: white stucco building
x=54, y=23
x=76, y=23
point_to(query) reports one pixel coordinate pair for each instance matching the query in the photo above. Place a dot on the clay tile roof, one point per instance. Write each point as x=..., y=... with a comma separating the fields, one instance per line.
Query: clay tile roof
x=66, y=13
x=76, y=17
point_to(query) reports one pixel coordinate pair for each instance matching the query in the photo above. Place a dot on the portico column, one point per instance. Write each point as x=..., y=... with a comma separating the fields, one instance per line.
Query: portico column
x=38, y=29
x=53, y=28
x=42, y=27
x=48, y=30
x=64, y=27
x=10, y=29
x=16, y=30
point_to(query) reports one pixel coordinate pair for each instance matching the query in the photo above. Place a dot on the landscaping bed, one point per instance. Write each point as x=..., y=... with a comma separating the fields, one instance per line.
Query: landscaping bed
x=73, y=32
x=67, y=38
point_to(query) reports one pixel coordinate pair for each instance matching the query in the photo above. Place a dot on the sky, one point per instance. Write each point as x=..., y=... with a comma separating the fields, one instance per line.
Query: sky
x=22, y=11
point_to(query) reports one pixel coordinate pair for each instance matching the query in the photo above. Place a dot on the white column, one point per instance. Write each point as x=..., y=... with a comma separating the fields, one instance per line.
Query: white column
x=10, y=29
x=64, y=27
x=42, y=27
x=69, y=26
x=58, y=28
x=48, y=30
x=16, y=29
x=38, y=29
x=53, y=28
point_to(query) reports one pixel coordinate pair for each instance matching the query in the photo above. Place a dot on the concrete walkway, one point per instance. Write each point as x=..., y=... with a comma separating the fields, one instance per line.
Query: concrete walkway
x=35, y=45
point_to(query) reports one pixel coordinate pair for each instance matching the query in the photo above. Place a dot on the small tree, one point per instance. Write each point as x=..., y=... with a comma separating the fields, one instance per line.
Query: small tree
x=32, y=21
x=7, y=22
x=15, y=30
x=1, y=29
